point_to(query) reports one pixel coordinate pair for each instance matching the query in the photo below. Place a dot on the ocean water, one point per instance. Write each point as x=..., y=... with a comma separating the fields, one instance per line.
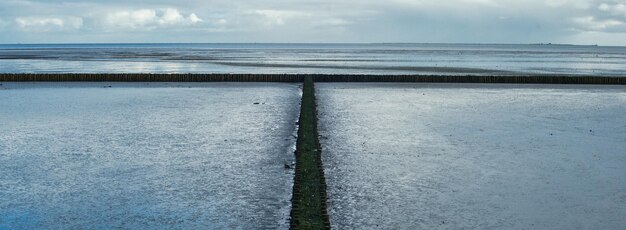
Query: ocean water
x=443, y=59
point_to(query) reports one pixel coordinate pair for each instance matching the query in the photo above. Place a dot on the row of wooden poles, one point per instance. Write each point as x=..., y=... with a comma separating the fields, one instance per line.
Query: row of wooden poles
x=302, y=185
x=112, y=77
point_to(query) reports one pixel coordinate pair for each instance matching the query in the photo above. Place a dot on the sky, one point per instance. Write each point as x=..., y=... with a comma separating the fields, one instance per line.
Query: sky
x=600, y=22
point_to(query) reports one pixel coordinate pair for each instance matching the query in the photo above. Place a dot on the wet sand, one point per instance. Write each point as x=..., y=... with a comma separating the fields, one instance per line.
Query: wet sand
x=473, y=156
x=146, y=155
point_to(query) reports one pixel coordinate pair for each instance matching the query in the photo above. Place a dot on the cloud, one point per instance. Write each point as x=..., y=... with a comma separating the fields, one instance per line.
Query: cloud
x=194, y=18
x=45, y=24
x=615, y=9
x=171, y=16
x=221, y=21
x=148, y=19
x=591, y=23
x=280, y=17
x=576, y=4
x=609, y=18
x=332, y=22
x=485, y=21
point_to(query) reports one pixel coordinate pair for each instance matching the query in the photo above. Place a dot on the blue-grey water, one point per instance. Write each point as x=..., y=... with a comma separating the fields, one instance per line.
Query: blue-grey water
x=460, y=59
x=473, y=156
x=146, y=155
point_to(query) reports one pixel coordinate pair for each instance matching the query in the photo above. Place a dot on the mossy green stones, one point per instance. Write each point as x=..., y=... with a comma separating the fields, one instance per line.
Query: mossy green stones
x=309, y=209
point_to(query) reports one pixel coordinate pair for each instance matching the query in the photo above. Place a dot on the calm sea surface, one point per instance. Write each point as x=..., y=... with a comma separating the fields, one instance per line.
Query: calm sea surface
x=446, y=59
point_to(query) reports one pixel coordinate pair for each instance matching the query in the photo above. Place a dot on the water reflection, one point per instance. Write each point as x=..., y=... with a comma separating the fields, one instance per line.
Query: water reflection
x=314, y=58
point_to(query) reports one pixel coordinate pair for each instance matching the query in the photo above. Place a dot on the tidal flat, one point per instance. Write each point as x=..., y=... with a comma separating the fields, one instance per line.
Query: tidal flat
x=146, y=155
x=473, y=156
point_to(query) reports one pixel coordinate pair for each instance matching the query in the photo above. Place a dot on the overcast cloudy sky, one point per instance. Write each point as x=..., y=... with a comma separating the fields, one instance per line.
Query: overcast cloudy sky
x=473, y=21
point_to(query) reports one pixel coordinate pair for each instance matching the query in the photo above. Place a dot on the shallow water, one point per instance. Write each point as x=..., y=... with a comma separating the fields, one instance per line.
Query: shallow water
x=471, y=156
x=145, y=156
x=444, y=59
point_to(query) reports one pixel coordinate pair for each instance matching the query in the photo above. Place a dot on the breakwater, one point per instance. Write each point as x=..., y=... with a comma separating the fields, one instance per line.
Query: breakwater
x=138, y=77
x=309, y=207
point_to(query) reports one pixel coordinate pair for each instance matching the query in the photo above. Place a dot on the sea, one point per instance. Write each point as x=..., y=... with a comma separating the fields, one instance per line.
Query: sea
x=288, y=58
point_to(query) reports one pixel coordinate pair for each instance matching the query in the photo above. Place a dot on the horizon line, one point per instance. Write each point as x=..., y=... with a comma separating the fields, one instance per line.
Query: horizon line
x=310, y=43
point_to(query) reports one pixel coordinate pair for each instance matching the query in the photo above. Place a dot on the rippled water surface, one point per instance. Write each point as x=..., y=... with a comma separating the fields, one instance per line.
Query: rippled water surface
x=455, y=59
x=471, y=156
x=146, y=156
